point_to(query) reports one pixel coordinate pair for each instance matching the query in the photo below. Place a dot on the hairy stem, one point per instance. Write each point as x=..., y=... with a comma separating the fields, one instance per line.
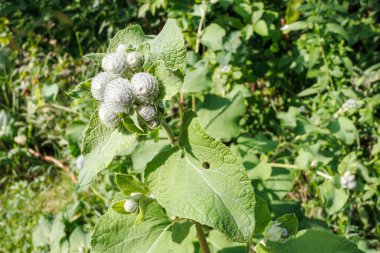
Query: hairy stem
x=201, y=238
x=169, y=132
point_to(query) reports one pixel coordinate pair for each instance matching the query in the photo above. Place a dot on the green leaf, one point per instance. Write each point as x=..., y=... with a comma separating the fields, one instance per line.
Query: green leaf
x=261, y=28
x=128, y=184
x=95, y=57
x=295, y=26
x=219, y=243
x=82, y=90
x=130, y=125
x=146, y=151
x=169, y=81
x=260, y=143
x=262, y=215
x=262, y=171
x=344, y=130
x=197, y=79
x=213, y=37
x=335, y=28
x=334, y=198
x=220, y=116
x=116, y=232
x=292, y=12
x=314, y=241
x=169, y=47
x=79, y=240
x=118, y=207
x=100, y=146
x=186, y=181
x=290, y=222
x=288, y=119
x=132, y=36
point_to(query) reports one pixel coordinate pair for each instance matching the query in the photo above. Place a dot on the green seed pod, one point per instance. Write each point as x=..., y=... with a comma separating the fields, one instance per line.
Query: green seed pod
x=99, y=83
x=118, y=95
x=114, y=62
x=135, y=60
x=145, y=87
x=108, y=117
x=131, y=206
x=147, y=112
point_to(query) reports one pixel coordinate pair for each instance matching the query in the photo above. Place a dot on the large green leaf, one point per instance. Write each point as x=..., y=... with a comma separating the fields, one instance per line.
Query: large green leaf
x=220, y=116
x=202, y=180
x=213, y=37
x=117, y=233
x=334, y=197
x=344, y=129
x=169, y=81
x=197, y=79
x=132, y=36
x=146, y=151
x=314, y=241
x=100, y=145
x=169, y=47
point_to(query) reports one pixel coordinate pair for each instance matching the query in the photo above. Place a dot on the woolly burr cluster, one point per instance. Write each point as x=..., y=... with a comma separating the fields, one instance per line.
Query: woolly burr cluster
x=117, y=94
x=348, y=180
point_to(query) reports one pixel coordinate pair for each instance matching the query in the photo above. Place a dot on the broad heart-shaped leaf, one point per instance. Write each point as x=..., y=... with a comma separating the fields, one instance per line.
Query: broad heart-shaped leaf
x=334, y=198
x=202, y=180
x=169, y=81
x=314, y=241
x=220, y=116
x=169, y=47
x=100, y=146
x=132, y=36
x=118, y=233
x=213, y=37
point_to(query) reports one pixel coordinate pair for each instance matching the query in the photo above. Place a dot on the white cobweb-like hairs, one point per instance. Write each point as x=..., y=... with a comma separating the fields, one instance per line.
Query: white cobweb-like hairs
x=134, y=60
x=108, y=117
x=145, y=87
x=99, y=83
x=118, y=95
x=147, y=112
x=114, y=62
x=131, y=206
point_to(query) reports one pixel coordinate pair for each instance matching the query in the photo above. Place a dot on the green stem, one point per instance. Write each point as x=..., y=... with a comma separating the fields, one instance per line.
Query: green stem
x=99, y=195
x=169, y=132
x=201, y=238
x=279, y=165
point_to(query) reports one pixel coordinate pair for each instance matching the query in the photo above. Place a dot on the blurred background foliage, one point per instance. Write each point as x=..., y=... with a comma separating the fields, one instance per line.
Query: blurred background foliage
x=291, y=86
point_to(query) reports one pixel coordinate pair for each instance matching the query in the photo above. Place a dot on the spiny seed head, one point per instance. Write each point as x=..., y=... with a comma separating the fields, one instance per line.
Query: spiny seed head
x=135, y=60
x=118, y=95
x=131, y=206
x=145, y=87
x=147, y=112
x=108, y=117
x=114, y=62
x=350, y=104
x=99, y=83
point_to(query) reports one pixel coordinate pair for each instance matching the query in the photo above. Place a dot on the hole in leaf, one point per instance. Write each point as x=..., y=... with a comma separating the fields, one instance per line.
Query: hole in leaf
x=206, y=165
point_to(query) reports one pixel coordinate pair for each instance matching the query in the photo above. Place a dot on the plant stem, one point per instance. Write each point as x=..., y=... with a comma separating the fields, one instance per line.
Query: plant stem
x=279, y=165
x=201, y=237
x=324, y=175
x=169, y=132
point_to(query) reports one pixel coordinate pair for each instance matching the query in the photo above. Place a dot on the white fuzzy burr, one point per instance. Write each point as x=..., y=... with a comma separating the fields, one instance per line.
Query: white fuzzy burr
x=118, y=95
x=145, y=87
x=99, y=83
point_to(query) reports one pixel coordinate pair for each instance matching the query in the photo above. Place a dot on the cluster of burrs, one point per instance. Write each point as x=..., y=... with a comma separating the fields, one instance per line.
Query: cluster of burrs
x=119, y=95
